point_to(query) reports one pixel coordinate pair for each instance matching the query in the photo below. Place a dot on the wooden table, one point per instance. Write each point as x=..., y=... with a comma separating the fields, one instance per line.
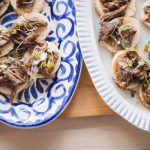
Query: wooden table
x=86, y=101
x=89, y=133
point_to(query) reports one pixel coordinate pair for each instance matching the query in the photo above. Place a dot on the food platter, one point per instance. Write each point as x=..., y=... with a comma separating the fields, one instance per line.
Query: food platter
x=99, y=63
x=47, y=98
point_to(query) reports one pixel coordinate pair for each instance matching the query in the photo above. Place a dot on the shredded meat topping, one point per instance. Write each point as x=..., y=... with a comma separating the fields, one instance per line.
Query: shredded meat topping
x=25, y=4
x=117, y=34
x=3, y=2
x=146, y=86
x=112, y=5
x=147, y=12
x=146, y=94
x=114, y=9
x=131, y=69
x=112, y=15
x=26, y=33
x=12, y=74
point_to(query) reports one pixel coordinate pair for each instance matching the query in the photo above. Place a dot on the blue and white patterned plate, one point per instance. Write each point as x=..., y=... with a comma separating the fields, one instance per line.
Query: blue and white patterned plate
x=48, y=97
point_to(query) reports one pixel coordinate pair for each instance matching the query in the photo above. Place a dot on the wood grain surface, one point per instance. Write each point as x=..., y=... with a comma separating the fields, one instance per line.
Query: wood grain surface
x=86, y=101
x=90, y=133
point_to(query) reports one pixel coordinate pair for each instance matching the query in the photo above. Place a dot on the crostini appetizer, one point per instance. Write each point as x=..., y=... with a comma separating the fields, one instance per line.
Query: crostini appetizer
x=27, y=6
x=4, y=4
x=144, y=89
x=119, y=34
x=145, y=14
x=28, y=28
x=13, y=77
x=6, y=44
x=111, y=9
x=128, y=69
x=43, y=61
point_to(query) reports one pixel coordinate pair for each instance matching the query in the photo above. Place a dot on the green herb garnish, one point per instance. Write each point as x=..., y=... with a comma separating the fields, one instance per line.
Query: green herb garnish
x=43, y=64
x=146, y=48
x=125, y=43
x=123, y=28
x=50, y=65
x=141, y=63
x=37, y=55
x=133, y=92
x=133, y=49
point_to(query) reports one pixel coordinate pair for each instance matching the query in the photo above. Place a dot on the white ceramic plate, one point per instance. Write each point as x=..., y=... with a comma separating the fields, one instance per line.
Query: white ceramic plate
x=98, y=61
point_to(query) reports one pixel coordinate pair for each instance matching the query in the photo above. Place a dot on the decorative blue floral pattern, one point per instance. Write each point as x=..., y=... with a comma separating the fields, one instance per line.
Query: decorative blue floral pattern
x=48, y=98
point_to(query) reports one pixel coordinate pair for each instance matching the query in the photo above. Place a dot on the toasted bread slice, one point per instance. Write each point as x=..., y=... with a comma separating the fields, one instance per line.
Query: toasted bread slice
x=133, y=23
x=42, y=31
x=115, y=62
x=4, y=50
x=51, y=47
x=37, y=7
x=144, y=16
x=6, y=90
x=142, y=97
x=4, y=8
x=131, y=10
